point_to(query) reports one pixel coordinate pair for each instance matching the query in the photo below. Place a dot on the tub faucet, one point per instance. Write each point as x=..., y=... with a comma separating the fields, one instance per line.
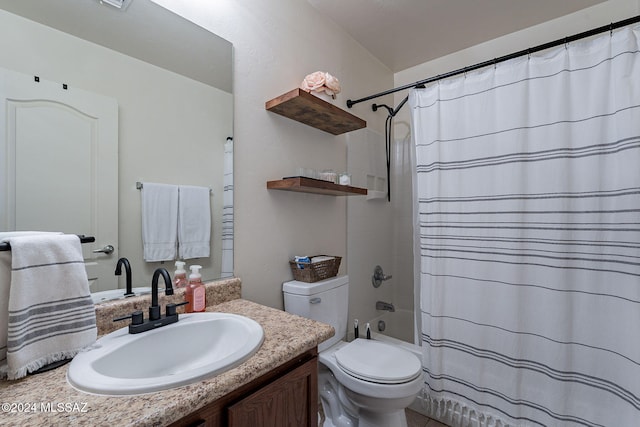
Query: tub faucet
x=381, y=305
x=127, y=270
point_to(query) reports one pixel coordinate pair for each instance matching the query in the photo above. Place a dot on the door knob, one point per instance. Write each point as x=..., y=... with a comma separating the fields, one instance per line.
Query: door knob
x=106, y=250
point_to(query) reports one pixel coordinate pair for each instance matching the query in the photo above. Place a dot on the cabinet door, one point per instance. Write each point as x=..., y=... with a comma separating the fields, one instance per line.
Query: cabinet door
x=291, y=400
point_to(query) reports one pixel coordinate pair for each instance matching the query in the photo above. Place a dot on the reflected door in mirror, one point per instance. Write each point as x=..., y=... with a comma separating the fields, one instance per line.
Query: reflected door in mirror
x=60, y=148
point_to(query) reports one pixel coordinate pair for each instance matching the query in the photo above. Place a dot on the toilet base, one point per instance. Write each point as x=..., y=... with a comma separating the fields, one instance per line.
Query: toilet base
x=344, y=408
x=336, y=413
x=379, y=412
x=377, y=419
x=368, y=419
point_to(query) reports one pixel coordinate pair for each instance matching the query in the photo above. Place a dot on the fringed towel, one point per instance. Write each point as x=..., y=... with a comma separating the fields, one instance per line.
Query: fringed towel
x=194, y=222
x=51, y=314
x=5, y=285
x=159, y=221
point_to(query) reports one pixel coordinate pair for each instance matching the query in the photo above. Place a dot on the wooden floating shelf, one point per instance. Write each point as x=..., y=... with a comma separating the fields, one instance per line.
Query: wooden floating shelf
x=315, y=186
x=303, y=107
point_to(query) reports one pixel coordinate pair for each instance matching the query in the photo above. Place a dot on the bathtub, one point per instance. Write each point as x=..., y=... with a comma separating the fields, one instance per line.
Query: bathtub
x=398, y=324
x=399, y=331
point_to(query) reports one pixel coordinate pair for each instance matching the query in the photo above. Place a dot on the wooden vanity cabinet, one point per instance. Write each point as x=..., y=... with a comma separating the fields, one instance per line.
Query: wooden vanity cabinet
x=285, y=396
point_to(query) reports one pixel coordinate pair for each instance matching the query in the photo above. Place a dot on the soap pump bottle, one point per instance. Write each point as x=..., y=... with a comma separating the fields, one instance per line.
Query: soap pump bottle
x=195, y=292
x=179, y=276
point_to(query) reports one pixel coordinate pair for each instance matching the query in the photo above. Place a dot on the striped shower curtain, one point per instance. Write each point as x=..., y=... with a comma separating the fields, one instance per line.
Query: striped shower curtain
x=226, y=269
x=528, y=221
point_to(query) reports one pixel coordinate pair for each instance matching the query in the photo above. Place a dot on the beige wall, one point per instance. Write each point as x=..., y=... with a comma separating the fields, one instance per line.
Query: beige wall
x=276, y=43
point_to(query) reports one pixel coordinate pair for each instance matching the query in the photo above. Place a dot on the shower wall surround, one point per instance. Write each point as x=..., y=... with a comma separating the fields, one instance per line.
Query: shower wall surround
x=379, y=232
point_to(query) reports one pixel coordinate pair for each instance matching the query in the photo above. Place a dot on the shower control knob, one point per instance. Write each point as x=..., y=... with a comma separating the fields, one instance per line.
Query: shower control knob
x=378, y=277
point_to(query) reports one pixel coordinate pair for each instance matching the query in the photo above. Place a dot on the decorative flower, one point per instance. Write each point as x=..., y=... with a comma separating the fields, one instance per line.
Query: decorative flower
x=314, y=81
x=332, y=84
x=321, y=81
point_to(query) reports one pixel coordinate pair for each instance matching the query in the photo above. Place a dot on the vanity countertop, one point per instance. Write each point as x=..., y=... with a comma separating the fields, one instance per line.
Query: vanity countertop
x=48, y=400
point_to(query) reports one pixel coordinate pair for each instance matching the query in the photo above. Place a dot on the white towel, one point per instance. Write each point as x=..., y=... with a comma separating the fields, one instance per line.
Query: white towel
x=159, y=221
x=194, y=222
x=51, y=314
x=5, y=285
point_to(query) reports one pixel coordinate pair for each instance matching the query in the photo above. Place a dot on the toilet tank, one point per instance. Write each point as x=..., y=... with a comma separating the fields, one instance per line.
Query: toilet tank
x=326, y=301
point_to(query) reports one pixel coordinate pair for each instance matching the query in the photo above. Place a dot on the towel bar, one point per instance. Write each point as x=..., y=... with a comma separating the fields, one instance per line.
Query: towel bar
x=5, y=246
x=139, y=186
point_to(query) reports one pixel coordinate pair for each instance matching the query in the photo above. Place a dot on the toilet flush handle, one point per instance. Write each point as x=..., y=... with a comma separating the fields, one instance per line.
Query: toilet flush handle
x=315, y=300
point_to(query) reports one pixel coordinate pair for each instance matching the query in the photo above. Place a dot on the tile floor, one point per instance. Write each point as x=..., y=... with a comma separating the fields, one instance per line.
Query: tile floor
x=414, y=419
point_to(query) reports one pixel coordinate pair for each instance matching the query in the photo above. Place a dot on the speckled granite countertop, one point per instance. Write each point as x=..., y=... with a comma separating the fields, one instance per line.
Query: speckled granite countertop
x=51, y=401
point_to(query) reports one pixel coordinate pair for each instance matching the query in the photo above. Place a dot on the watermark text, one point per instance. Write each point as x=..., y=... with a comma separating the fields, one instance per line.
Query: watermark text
x=49, y=407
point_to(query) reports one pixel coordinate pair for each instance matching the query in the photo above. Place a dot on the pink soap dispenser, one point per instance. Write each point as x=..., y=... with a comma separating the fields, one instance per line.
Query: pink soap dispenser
x=180, y=276
x=195, y=292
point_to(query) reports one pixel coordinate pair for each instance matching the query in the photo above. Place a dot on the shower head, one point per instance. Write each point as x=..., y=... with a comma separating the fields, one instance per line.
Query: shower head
x=375, y=107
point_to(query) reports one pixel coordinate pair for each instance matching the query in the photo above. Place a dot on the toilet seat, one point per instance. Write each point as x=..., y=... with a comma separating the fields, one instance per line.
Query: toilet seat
x=378, y=362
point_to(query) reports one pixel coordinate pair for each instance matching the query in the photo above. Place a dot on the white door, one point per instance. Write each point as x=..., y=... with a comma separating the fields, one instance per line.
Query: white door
x=59, y=152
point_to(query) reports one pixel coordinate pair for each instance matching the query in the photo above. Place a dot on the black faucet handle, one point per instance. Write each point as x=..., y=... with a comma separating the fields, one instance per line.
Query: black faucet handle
x=137, y=318
x=154, y=312
x=171, y=308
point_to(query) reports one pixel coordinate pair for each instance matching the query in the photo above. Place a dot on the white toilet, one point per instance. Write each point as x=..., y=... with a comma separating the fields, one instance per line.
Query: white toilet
x=364, y=383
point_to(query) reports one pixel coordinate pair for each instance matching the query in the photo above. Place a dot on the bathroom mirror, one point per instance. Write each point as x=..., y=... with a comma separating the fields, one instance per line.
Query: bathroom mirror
x=172, y=82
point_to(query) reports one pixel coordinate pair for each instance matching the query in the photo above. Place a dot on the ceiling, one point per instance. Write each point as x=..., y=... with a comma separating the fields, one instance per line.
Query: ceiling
x=404, y=33
x=400, y=33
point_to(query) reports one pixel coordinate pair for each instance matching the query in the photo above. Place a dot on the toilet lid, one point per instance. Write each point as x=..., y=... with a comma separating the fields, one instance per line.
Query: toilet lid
x=378, y=362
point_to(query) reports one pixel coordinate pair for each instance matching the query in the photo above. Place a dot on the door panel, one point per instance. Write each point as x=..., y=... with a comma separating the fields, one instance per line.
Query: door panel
x=61, y=151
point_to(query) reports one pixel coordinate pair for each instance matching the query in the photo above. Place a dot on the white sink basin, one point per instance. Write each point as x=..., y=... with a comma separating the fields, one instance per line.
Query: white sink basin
x=199, y=346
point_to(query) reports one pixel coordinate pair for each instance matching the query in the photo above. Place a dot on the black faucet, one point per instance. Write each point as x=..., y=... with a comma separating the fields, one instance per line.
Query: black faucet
x=138, y=324
x=154, y=310
x=127, y=269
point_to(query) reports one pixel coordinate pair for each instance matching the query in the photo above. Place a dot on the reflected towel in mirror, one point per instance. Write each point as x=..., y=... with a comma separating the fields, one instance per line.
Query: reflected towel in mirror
x=194, y=222
x=159, y=221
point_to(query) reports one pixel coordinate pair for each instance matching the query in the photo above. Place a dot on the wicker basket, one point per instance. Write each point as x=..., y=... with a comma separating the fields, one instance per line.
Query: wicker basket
x=315, y=271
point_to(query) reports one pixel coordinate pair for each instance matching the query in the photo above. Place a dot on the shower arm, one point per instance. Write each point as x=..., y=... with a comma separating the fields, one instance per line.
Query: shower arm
x=387, y=130
x=392, y=112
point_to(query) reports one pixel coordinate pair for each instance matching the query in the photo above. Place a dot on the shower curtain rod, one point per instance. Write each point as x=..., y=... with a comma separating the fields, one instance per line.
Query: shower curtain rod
x=494, y=61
